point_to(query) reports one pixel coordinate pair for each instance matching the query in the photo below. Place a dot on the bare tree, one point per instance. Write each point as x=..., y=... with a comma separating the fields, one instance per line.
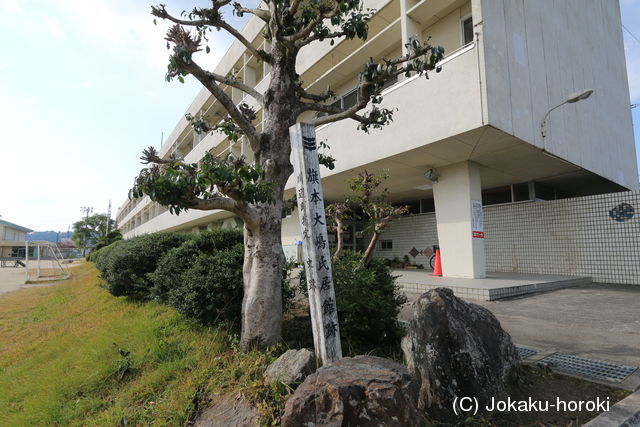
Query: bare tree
x=255, y=192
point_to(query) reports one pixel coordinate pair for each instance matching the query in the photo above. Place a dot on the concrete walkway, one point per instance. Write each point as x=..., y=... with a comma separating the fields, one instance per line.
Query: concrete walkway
x=494, y=286
x=596, y=321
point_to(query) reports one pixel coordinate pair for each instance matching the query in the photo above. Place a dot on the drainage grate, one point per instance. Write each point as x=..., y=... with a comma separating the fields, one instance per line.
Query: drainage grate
x=525, y=352
x=588, y=367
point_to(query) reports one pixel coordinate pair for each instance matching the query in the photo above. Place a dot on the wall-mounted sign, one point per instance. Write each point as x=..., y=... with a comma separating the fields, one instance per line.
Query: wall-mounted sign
x=477, y=221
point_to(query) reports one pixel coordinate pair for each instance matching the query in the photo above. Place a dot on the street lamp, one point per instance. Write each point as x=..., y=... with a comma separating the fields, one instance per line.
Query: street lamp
x=571, y=99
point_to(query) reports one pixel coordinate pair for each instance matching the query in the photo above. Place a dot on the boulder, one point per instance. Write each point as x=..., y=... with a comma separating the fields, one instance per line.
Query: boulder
x=456, y=349
x=362, y=391
x=228, y=410
x=292, y=367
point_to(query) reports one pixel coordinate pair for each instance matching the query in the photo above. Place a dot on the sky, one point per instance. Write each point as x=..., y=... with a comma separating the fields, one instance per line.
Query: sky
x=82, y=93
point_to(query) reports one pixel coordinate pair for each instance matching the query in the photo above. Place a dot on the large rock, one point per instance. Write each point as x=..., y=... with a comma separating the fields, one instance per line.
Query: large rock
x=228, y=410
x=292, y=367
x=456, y=349
x=359, y=391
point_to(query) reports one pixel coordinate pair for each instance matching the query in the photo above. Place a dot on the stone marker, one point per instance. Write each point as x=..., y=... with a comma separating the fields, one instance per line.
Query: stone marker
x=292, y=367
x=456, y=349
x=315, y=243
x=358, y=391
x=228, y=410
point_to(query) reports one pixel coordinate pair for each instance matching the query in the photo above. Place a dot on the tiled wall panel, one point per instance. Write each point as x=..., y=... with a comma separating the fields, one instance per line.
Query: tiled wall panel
x=596, y=236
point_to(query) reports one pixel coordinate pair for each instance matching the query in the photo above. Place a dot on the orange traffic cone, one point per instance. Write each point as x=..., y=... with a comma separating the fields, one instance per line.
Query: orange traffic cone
x=437, y=268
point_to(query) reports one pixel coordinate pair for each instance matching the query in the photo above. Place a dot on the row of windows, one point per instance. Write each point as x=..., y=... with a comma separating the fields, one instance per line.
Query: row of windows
x=521, y=192
x=13, y=234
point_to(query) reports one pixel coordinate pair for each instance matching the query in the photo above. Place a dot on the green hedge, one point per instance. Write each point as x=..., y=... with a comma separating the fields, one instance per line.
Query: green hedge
x=127, y=266
x=202, y=278
x=198, y=274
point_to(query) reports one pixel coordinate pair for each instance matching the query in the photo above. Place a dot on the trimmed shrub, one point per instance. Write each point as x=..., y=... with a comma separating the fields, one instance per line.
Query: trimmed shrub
x=178, y=260
x=126, y=267
x=100, y=257
x=203, y=278
x=210, y=290
x=368, y=301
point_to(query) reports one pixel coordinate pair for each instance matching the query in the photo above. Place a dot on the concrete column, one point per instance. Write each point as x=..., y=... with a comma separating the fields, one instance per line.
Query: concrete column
x=462, y=254
x=408, y=26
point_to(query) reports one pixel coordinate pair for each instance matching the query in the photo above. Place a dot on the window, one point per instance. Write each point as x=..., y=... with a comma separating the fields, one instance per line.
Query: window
x=390, y=82
x=350, y=99
x=386, y=245
x=467, y=30
x=521, y=192
x=495, y=196
x=427, y=205
x=544, y=192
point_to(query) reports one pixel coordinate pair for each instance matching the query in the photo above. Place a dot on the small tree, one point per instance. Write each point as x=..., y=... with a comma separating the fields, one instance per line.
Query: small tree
x=107, y=239
x=337, y=214
x=371, y=198
x=255, y=192
x=89, y=230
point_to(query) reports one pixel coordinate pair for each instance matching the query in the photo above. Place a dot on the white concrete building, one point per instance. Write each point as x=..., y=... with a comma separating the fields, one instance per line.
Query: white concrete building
x=477, y=124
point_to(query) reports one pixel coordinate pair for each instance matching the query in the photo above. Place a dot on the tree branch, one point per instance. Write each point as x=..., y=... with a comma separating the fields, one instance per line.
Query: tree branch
x=258, y=53
x=211, y=17
x=300, y=36
x=181, y=63
x=325, y=96
x=318, y=36
x=238, y=85
x=243, y=210
x=207, y=81
x=260, y=13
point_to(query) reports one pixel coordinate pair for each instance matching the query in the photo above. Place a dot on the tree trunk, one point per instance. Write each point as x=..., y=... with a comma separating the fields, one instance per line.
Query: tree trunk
x=264, y=260
x=339, y=237
x=264, y=264
x=372, y=245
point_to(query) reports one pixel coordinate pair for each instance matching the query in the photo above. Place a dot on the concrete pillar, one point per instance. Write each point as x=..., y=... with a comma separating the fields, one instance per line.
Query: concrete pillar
x=457, y=187
x=408, y=27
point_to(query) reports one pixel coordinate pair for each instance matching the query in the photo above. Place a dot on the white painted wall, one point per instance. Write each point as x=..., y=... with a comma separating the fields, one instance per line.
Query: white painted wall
x=535, y=53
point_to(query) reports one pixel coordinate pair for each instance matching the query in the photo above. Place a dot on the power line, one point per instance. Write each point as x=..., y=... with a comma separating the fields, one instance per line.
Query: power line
x=631, y=34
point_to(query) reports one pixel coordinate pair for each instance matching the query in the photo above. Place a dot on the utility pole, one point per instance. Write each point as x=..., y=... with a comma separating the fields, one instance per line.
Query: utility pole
x=87, y=210
x=108, y=219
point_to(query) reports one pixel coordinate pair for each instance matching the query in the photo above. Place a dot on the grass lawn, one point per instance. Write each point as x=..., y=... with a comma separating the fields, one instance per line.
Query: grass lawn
x=72, y=354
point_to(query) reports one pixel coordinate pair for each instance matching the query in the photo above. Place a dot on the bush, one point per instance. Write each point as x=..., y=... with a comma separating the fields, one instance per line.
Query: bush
x=100, y=257
x=127, y=265
x=368, y=303
x=180, y=259
x=202, y=278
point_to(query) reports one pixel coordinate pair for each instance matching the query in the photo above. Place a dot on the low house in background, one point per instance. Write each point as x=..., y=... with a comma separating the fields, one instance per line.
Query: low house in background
x=12, y=239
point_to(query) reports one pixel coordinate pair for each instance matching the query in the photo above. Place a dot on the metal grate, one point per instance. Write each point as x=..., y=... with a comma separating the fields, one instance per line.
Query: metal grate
x=588, y=367
x=525, y=352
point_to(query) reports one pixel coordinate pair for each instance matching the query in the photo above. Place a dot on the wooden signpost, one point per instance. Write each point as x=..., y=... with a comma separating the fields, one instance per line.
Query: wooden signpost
x=315, y=243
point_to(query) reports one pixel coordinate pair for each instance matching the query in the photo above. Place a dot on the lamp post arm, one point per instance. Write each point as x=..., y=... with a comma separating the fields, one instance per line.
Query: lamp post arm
x=543, y=125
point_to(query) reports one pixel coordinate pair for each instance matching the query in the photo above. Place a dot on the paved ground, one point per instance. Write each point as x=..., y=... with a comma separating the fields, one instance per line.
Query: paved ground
x=596, y=320
x=13, y=278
